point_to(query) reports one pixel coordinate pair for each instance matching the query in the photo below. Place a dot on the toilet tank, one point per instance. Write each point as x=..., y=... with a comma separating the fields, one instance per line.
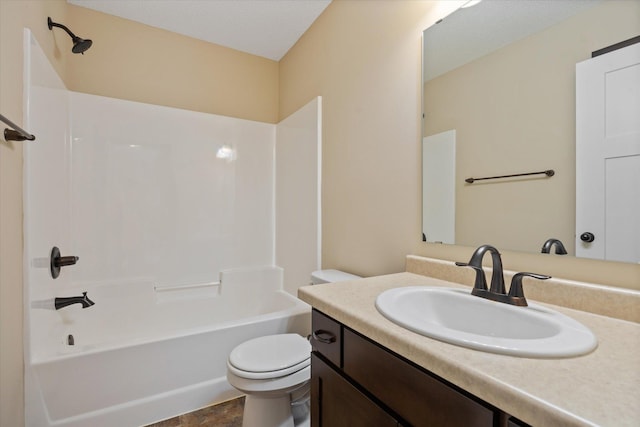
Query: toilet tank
x=330, y=276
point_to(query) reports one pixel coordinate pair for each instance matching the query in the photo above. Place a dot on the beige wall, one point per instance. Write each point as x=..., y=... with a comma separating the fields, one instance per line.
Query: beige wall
x=363, y=57
x=14, y=16
x=514, y=111
x=137, y=62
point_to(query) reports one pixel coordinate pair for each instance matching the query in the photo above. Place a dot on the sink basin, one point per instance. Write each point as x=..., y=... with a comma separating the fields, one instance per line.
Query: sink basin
x=457, y=317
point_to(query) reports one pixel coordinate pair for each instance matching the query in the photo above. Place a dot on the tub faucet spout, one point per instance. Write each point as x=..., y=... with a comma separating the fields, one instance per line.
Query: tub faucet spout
x=65, y=301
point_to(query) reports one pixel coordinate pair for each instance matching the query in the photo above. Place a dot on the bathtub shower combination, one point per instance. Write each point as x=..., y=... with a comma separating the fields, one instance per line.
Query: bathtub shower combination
x=143, y=354
x=172, y=215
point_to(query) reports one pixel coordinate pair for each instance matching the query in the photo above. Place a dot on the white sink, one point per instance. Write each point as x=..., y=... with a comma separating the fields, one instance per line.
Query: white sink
x=457, y=317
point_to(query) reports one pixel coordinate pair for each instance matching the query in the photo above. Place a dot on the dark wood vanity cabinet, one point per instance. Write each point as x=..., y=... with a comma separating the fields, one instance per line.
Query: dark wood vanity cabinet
x=356, y=382
x=336, y=402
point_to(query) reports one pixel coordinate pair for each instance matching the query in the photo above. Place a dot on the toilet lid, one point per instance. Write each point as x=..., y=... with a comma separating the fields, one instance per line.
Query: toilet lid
x=270, y=353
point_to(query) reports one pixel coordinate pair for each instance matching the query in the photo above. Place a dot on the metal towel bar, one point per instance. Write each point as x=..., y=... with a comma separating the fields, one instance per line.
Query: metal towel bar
x=548, y=172
x=17, y=133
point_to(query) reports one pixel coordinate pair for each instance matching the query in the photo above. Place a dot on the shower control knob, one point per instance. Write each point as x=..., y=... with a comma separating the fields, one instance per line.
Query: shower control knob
x=58, y=261
x=587, y=237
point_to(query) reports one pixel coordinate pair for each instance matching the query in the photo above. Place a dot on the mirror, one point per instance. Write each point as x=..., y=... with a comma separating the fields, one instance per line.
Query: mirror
x=499, y=99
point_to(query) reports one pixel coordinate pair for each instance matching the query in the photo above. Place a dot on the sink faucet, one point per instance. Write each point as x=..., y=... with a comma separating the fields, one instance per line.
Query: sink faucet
x=497, y=280
x=497, y=291
x=560, y=249
x=65, y=301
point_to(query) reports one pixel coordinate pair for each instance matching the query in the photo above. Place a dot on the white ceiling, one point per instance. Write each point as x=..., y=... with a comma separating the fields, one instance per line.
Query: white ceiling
x=267, y=28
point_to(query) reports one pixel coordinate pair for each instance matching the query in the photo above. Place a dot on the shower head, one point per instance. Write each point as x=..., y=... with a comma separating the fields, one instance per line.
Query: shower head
x=79, y=45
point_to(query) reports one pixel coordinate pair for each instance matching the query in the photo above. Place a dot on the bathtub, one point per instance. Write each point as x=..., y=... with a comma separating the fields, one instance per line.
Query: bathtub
x=144, y=353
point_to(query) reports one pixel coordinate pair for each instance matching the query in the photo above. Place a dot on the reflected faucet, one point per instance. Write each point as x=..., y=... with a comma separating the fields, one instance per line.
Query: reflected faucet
x=560, y=249
x=497, y=291
x=66, y=301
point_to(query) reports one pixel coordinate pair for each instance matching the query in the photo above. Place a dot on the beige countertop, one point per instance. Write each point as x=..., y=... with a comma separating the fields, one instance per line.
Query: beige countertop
x=601, y=388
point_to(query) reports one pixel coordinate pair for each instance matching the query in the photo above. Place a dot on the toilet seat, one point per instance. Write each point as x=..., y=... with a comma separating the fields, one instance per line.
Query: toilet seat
x=270, y=356
x=270, y=374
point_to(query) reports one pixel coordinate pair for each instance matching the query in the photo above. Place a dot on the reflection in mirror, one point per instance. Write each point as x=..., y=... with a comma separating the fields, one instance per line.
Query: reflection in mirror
x=499, y=99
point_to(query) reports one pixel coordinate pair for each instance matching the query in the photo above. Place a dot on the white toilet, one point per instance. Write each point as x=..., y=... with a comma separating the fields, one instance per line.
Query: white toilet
x=274, y=372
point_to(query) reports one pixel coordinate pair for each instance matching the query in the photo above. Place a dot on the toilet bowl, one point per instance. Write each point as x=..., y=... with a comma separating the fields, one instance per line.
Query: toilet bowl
x=274, y=372
x=268, y=370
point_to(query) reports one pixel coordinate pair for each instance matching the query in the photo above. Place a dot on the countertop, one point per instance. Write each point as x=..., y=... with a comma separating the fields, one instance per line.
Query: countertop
x=601, y=388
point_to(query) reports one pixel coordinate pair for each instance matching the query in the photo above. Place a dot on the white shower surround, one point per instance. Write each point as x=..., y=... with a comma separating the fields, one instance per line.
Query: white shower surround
x=137, y=192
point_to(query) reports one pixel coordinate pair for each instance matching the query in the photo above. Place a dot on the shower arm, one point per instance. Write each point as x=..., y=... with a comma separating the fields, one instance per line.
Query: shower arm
x=80, y=45
x=52, y=24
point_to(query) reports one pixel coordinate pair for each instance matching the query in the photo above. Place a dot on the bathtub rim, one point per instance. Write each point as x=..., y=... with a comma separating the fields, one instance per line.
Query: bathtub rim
x=298, y=307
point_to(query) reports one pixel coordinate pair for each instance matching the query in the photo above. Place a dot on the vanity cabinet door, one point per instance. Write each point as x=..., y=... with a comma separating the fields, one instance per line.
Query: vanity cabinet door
x=514, y=422
x=337, y=403
x=418, y=397
x=326, y=337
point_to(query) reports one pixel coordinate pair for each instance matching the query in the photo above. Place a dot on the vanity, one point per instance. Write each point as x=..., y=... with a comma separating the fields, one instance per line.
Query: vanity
x=357, y=382
x=368, y=371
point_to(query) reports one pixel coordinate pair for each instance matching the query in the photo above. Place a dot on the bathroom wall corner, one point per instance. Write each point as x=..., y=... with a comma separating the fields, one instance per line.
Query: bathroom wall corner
x=14, y=17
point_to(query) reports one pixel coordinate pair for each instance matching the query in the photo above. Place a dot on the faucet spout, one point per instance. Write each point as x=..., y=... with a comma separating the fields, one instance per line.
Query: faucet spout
x=560, y=249
x=497, y=279
x=66, y=301
x=497, y=292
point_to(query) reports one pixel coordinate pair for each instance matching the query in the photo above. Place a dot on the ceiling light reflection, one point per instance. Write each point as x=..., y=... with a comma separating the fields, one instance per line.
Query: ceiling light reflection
x=226, y=153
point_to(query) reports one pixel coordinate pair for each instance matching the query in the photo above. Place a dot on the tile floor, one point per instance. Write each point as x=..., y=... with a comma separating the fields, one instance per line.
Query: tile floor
x=227, y=414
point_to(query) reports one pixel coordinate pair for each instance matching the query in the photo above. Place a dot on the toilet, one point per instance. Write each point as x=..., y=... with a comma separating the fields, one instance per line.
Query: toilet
x=274, y=371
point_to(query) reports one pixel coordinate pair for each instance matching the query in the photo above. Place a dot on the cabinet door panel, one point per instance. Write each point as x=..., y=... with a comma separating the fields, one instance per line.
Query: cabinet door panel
x=337, y=403
x=326, y=337
x=419, y=398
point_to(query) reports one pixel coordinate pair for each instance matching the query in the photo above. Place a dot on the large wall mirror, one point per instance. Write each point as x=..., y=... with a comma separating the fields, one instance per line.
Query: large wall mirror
x=499, y=98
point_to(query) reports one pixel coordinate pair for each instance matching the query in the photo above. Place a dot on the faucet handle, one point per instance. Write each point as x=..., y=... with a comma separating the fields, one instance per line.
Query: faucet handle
x=515, y=290
x=57, y=262
x=481, y=281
